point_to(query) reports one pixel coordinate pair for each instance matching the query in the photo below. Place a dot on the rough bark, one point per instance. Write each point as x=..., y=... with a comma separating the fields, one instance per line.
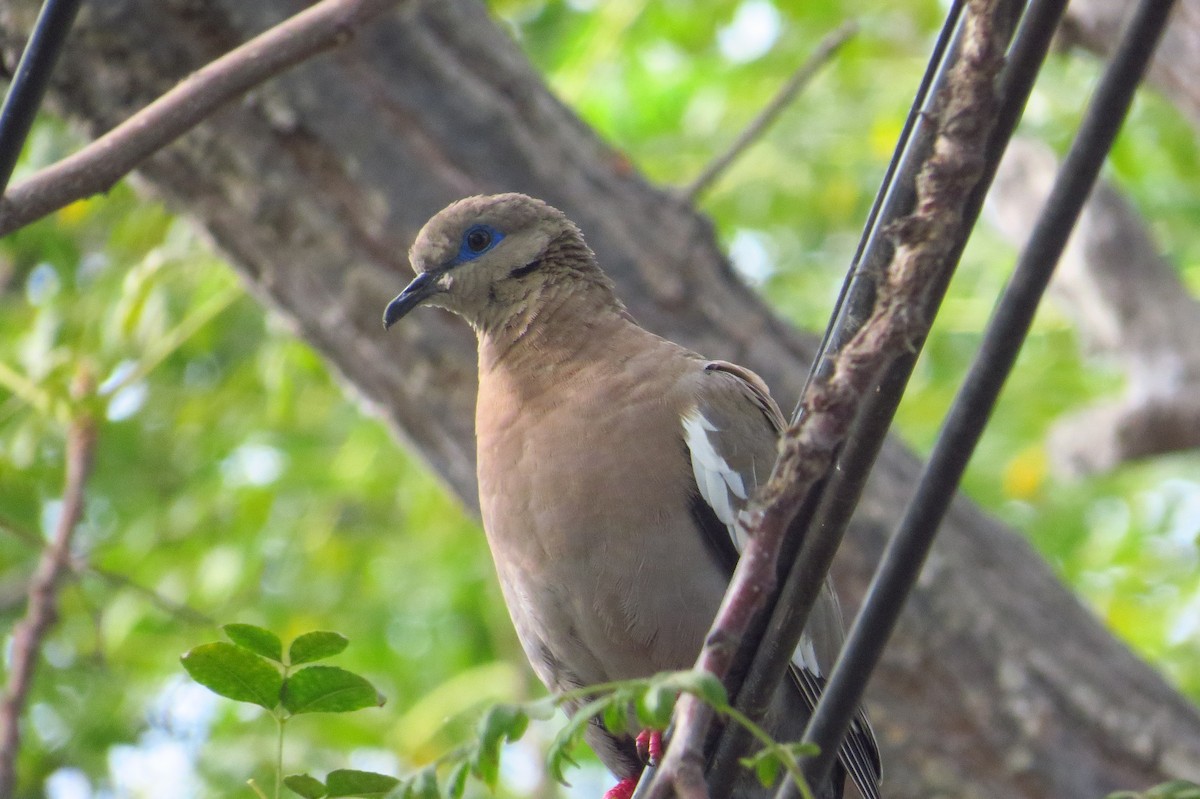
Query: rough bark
x=999, y=684
x=1128, y=304
x=1095, y=25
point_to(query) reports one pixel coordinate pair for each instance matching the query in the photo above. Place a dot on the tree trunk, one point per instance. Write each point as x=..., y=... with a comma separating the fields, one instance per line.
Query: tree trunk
x=1095, y=25
x=1128, y=303
x=998, y=682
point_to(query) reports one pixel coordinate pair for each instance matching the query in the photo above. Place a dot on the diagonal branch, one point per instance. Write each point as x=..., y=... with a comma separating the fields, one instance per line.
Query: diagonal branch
x=924, y=239
x=827, y=48
x=43, y=598
x=80, y=567
x=97, y=167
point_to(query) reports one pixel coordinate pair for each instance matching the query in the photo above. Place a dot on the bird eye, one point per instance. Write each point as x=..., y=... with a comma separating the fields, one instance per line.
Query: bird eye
x=478, y=239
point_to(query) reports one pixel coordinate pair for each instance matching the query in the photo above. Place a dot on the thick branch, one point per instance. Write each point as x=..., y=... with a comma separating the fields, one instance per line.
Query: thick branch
x=97, y=167
x=41, y=613
x=901, y=316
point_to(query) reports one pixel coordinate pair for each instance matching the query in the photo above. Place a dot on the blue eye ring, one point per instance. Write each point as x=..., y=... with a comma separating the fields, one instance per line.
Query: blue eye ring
x=477, y=240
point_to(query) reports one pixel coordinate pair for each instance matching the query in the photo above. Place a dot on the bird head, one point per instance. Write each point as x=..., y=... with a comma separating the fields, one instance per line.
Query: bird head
x=488, y=258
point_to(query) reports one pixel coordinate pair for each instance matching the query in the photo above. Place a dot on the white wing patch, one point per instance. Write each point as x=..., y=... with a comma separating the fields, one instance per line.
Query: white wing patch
x=714, y=477
x=717, y=481
x=806, y=655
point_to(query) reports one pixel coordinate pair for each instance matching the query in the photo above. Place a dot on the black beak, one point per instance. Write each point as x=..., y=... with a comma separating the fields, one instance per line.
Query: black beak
x=422, y=288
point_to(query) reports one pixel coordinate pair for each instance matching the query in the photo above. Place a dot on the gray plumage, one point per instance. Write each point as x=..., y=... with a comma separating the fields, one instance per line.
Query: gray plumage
x=611, y=463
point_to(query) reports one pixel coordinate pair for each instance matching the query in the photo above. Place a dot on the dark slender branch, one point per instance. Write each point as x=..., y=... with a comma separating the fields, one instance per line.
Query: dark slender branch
x=968, y=416
x=41, y=613
x=1128, y=302
x=820, y=526
x=826, y=49
x=97, y=167
x=831, y=403
x=30, y=80
x=894, y=199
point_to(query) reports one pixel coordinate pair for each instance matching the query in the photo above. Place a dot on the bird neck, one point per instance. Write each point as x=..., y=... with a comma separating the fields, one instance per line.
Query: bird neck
x=567, y=326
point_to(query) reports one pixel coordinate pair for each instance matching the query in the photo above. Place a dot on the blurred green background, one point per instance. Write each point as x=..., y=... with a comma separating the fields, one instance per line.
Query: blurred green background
x=236, y=482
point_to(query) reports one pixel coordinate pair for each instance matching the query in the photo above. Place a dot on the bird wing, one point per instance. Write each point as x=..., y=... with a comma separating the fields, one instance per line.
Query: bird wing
x=731, y=435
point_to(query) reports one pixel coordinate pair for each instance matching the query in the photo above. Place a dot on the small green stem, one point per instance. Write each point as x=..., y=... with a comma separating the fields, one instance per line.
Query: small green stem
x=789, y=762
x=21, y=386
x=282, y=720
x=177, y=336
x=592, y=708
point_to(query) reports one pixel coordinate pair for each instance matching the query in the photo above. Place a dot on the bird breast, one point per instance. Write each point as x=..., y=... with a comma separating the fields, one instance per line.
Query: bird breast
x=587, y=538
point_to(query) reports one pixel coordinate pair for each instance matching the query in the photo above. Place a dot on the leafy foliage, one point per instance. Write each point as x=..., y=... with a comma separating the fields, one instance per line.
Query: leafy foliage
x=342, y=783
x=625, y=707
x=251, y=670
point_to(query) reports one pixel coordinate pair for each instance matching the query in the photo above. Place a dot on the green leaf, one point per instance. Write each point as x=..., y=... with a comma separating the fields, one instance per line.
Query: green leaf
x=800, y=749
x=503, y=721
x=1176, y=789
x=616, y=715
x=704, y=685
x=349, y=782
x=518, y=725
x=485, y=763
x=316, y=646
x=559, y=754
x=655, y=705
x=328, y=689
x=768, y=762
x=306, y=786
x=456, y=781
x=499, y=723
x=425, y=786
x=767, y=770
x=235, y=673
x=558, y=757
x=256, y=639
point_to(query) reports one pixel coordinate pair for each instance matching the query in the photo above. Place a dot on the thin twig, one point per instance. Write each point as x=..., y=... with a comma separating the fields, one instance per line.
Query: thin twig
x=826, y=49
x=97, y=167
x=80, y=567
x=832, y=402
x=179, y=610
x=30, y=632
